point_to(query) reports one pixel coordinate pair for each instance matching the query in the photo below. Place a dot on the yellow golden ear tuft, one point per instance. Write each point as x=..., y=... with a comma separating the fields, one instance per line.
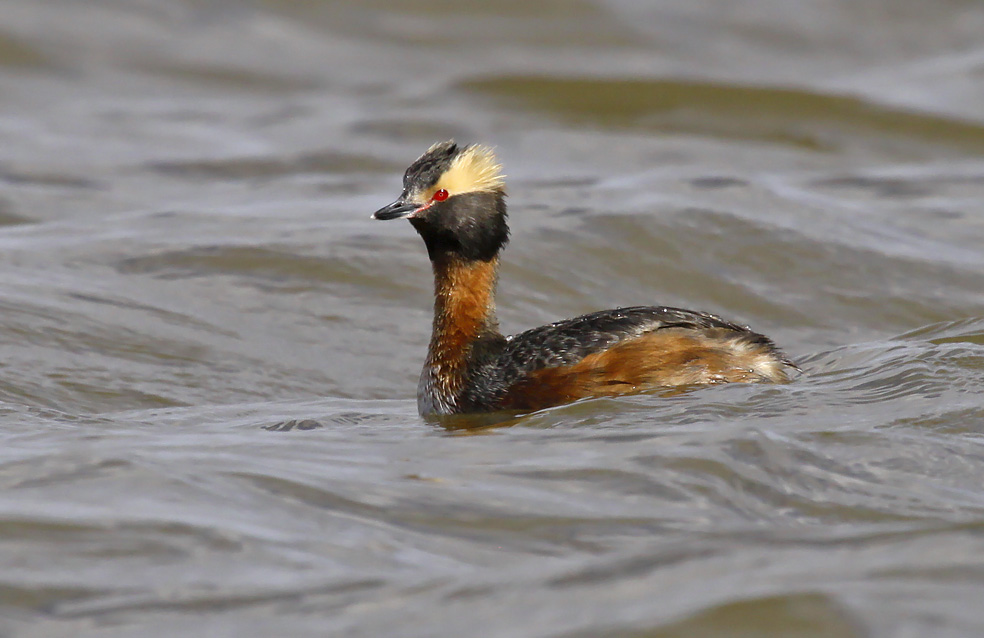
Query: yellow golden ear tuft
x=474, y=169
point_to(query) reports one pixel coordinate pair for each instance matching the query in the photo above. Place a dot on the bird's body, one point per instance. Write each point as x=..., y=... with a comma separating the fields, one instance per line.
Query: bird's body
x=454, y=197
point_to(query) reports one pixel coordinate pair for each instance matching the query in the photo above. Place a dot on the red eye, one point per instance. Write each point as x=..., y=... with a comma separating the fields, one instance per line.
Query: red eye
x=439, y=196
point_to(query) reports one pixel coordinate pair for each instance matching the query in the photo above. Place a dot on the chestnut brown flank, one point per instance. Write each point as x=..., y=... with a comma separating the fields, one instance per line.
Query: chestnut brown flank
x=664, y=358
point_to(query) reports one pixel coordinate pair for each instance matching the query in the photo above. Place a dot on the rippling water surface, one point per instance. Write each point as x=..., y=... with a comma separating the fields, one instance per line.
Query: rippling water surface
x=208, y=353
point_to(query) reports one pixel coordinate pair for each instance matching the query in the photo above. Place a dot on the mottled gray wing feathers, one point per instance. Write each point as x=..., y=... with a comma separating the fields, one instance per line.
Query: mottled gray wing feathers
x=567, y=342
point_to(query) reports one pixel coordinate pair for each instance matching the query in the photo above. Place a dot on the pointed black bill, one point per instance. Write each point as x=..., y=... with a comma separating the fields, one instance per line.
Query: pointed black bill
x=396, y=210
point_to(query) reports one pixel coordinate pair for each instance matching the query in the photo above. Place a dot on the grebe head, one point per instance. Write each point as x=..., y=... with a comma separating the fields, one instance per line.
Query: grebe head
x=455, y=197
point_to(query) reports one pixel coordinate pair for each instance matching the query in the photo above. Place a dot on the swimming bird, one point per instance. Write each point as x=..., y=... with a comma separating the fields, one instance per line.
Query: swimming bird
x=454, y=196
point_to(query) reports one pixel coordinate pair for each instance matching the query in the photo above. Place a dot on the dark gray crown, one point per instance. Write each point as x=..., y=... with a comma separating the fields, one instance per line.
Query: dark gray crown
x=428, y=168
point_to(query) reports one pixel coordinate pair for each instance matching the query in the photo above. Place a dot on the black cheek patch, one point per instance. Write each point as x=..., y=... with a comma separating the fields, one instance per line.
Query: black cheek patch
x=472, y=225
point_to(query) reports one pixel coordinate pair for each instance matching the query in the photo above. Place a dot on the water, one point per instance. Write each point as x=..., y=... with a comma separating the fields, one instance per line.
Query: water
x=208, y=353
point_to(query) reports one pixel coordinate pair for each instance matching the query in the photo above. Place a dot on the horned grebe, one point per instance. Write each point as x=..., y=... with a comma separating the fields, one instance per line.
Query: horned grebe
x=455, y=198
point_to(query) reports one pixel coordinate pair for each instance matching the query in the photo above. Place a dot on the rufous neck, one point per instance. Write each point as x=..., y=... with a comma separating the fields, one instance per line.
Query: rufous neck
x=464, y=301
